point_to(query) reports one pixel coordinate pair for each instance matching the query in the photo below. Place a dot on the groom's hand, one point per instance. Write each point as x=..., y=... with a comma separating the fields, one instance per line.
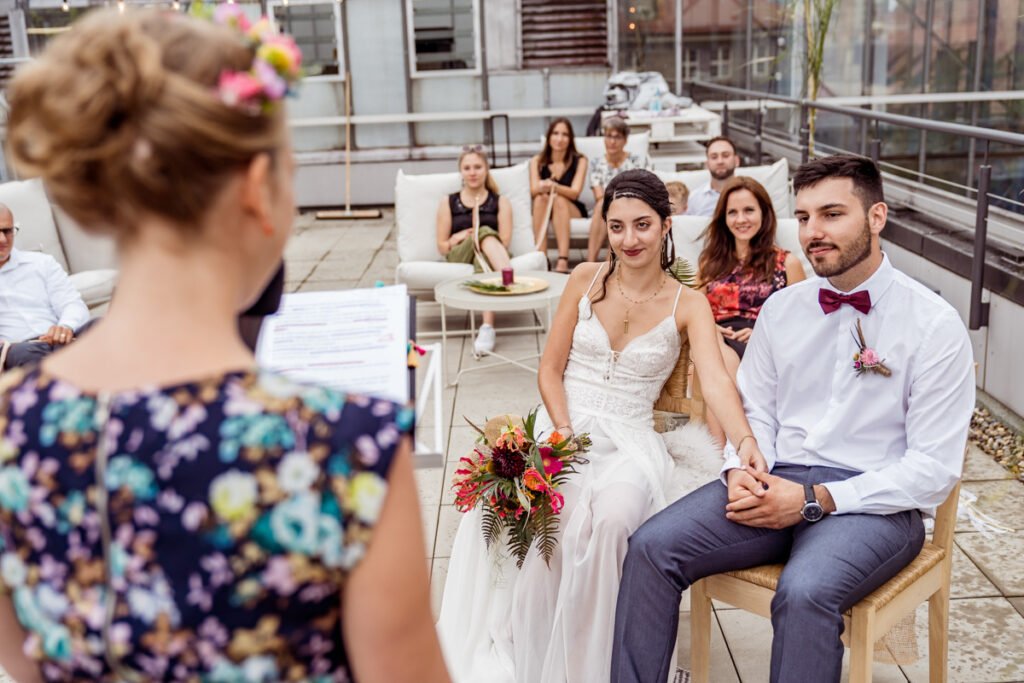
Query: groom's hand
x=778, y=508
x=742, y=484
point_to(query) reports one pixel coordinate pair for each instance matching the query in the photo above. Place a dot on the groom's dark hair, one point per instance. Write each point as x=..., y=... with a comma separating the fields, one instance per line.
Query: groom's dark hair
x=867, y=179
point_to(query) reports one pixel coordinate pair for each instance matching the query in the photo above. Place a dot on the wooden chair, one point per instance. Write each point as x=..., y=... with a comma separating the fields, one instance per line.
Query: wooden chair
x=681, y=393
x=927, y=577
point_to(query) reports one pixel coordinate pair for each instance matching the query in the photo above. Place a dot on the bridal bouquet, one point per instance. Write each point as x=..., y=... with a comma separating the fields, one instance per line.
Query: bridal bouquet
x=515, y=476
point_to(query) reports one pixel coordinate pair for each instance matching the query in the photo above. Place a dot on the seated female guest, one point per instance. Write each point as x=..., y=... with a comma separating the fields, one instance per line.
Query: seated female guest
x=167, y=510
x=455, y=227
x=615, y=160
x=559, y=168
x=740, y=266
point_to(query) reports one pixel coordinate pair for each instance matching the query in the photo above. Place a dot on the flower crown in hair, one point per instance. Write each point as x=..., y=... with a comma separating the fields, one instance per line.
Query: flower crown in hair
x=276, y=68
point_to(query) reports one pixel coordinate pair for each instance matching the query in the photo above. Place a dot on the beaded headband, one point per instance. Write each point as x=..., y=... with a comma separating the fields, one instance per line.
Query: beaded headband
x=275, y=69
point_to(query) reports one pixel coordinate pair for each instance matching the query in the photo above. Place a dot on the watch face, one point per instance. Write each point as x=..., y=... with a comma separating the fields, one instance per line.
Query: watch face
x=812, y=511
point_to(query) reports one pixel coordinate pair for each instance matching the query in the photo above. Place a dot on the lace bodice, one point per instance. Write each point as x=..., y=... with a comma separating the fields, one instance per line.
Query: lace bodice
x=618, y=385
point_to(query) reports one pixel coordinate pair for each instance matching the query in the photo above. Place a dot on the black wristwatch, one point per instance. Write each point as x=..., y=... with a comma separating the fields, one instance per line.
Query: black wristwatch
x=812, y=510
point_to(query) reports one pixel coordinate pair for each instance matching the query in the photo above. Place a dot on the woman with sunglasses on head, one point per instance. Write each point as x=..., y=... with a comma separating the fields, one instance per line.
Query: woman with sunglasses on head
x=478, y=202
x=614, y=342
x=559, y=169
x=741, y=266
x=169, y=511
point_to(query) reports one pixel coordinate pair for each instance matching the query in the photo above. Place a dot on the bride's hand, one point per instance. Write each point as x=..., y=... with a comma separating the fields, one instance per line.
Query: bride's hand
x=752, y=457
x=741, y=484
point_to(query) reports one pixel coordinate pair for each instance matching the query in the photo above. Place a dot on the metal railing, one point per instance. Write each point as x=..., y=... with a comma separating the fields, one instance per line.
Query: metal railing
x=978, y=316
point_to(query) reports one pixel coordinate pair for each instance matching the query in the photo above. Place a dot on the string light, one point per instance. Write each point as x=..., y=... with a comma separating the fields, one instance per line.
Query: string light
x=120, y=6
x=64, y=6
x=632, y=26
x=175, y=5
x=632, y=10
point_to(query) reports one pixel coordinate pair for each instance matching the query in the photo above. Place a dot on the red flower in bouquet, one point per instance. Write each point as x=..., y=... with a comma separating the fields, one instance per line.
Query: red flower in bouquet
x=514, y=477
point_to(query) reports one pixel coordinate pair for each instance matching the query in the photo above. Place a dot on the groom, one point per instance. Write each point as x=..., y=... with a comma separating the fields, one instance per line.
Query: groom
x=856, y=450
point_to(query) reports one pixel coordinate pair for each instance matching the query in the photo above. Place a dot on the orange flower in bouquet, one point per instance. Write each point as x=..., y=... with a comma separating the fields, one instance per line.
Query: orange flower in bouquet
x=514, y=476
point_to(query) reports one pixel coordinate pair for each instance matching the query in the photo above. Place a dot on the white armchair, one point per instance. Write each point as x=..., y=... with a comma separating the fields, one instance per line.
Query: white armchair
x=89, y=259
x=775, y=179
x=420, y=266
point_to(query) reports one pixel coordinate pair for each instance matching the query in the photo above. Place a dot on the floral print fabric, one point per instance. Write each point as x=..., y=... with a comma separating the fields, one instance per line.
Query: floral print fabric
x=236, y=506
x=740, y=295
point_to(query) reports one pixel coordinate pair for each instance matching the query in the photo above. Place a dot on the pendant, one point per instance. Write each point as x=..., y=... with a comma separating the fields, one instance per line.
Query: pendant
x=625, y=324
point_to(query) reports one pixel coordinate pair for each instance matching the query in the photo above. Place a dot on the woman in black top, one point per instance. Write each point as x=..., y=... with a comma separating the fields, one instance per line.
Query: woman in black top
x=561, y=168
x=455, y=223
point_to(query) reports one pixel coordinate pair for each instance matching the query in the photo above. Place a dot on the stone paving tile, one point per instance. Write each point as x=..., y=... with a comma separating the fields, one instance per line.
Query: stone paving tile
x=749, y=638
x=999, y=557
x=1001, y=500
x=722, y=667
x=327, y=285
x=979, y=466
x=299, y=269
x=447, y=524
x=429, y=482
x=428, y=518
x=1018, y=604
x=351, y=267
x=968, y=581
x=461, y=442
x=985, y=636
x=438, y=575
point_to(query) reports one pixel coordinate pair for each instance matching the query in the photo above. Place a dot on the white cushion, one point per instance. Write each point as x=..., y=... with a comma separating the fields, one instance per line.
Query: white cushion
x=579, y=228
x=95, y=286
x=31, y=208
x=84, y=250
x=686, y=232
x=423, y=276
x=418, y=196
x=775, y=179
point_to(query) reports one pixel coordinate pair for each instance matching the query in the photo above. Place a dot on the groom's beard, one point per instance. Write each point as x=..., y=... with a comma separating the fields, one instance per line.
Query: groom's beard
x=850, y=255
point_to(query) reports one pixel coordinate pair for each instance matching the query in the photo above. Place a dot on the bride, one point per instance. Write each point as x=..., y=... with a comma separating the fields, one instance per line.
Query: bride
x=613, y=343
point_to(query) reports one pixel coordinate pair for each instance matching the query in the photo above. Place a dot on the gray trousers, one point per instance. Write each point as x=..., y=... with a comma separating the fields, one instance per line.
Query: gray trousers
x=830, y=566
x=33, y=350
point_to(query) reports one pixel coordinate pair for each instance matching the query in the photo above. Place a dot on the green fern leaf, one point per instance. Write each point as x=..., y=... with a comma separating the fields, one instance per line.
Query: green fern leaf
x=682, y=271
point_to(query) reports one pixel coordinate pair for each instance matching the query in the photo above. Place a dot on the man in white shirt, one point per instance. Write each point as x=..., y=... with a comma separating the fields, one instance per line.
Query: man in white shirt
x=722, y=162
x=40, y=310
x=858, y=446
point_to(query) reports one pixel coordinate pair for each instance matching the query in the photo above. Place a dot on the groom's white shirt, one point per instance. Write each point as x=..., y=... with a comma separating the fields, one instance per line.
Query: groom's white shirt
x=807, y=405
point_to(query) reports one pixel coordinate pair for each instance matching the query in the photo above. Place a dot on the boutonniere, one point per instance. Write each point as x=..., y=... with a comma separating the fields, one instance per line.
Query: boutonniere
x=867, y=359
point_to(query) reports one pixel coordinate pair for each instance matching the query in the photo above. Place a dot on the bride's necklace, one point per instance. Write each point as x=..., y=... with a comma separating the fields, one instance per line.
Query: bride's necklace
x=634, y=302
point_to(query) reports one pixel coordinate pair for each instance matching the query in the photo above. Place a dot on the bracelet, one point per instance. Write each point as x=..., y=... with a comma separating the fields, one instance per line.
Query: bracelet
x=569, y=427
x=740, y=444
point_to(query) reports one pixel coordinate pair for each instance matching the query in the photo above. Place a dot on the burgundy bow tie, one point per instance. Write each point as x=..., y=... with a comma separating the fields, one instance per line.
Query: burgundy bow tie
x=831, y=301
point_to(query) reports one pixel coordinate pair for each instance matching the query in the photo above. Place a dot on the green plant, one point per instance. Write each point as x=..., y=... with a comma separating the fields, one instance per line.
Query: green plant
x=817, y=17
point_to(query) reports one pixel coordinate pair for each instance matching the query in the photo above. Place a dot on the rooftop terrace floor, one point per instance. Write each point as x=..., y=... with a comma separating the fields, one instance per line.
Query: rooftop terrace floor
x=987, y=605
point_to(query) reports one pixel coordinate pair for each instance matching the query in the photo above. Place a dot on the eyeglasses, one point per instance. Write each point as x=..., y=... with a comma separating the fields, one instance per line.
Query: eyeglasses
x=473, y=148
x=9, y=233
x=614, y=136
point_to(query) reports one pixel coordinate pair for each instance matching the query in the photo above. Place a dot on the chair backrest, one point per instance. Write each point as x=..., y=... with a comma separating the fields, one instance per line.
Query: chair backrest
x=417, y=198
x=593, y=146
x=775, y=179
x=686, y=231
x=679, y=394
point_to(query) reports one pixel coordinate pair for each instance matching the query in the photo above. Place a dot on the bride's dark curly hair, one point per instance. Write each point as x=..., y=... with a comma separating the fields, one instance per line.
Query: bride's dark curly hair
x=648, y=188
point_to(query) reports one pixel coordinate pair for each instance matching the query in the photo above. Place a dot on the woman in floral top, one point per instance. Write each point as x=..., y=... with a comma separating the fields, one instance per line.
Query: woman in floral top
x=741, y=266
x=167, y=511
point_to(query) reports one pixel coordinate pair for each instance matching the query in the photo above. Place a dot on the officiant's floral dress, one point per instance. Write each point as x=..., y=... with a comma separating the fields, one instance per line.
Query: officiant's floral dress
x=212, y=541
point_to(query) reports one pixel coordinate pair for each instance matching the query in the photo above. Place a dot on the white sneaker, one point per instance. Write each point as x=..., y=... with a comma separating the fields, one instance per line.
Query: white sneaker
x=484, y=340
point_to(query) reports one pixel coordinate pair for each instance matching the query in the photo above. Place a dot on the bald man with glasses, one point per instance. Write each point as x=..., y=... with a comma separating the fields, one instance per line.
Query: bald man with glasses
x=40, y=309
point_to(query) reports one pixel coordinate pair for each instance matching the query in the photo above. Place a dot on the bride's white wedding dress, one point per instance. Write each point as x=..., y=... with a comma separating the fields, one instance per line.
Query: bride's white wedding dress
x=540, y=624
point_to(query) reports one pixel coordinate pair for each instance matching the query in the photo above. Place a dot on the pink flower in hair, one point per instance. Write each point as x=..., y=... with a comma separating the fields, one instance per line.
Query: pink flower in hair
x=233, y=16
x=238, y=87
x=274, y=87
x=283, y=54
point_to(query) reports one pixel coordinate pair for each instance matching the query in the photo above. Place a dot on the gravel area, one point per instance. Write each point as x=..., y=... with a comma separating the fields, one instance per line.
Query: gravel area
x=998, y=440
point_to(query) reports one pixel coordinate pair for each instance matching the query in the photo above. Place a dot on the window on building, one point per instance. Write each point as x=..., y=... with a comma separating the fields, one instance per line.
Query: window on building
x=316, y=27
x=564, y=33
x=760, y=61
x=691, y=65
x=445, y=35
x=721, y=62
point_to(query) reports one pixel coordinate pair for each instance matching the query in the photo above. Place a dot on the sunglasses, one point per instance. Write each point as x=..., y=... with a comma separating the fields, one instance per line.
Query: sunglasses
x=9, y=233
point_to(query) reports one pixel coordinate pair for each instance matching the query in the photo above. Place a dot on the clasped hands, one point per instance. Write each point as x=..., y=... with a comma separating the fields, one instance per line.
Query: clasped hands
x=740, y=335
x=58, y=335
x=760, y=499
